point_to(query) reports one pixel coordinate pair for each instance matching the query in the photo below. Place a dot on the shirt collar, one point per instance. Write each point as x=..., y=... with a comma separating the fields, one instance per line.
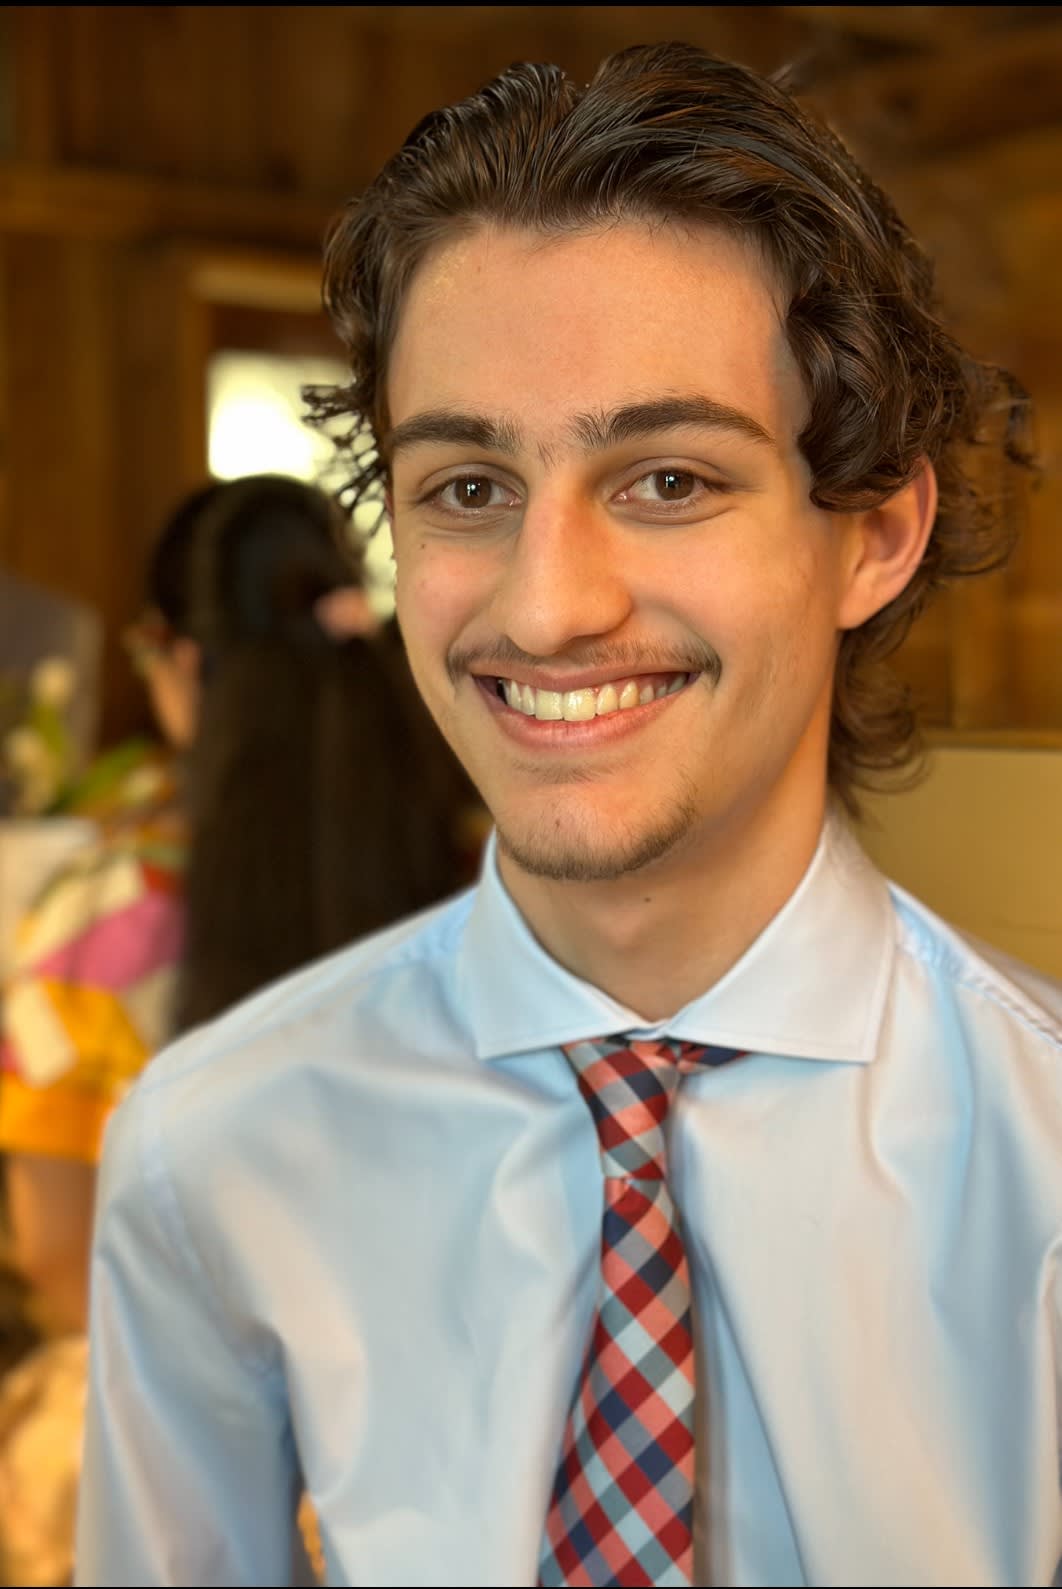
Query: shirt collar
x=811, y=986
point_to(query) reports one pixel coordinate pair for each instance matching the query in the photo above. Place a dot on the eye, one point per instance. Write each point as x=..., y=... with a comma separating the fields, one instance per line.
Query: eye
x=670, y=487
x=674, y=485
x=470, y=494
x=471, y=491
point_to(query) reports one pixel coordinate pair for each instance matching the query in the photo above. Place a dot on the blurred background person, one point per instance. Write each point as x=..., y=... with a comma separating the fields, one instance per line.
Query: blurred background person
x=302, y=798
x=321, y=800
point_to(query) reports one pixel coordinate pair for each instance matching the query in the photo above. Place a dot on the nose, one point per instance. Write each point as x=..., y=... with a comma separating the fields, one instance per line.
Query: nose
x=563, y=579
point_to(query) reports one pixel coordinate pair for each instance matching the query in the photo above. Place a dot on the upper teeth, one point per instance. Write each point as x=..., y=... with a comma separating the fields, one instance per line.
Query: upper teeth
x=578, y=706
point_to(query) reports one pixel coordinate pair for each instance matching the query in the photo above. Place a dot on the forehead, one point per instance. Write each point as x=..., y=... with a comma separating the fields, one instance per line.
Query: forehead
x=539, y=328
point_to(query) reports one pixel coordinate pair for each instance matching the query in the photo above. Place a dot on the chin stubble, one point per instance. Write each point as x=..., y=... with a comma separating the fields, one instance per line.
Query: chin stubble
x=566, y=857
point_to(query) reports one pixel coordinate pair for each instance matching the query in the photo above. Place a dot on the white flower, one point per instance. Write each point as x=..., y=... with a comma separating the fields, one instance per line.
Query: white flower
x=26, y=751
x=53, y=681
x=37, y=772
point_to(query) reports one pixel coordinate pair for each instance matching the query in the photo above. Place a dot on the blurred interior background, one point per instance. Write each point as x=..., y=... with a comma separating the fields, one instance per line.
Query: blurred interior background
x=167, y=174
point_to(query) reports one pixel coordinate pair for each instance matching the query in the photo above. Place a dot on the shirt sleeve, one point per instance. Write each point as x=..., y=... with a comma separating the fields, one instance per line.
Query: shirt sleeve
x=189, y=1473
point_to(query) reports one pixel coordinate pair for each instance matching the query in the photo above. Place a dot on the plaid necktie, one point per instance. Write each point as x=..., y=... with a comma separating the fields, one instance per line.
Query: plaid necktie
x=622, y=1506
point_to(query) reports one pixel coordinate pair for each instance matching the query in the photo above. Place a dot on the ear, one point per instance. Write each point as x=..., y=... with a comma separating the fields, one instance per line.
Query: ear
x=887, y=544
x=346, y=613
x=173, y=679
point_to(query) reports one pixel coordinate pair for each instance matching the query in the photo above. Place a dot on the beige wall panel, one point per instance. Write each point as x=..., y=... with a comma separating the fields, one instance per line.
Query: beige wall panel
x=980, y=841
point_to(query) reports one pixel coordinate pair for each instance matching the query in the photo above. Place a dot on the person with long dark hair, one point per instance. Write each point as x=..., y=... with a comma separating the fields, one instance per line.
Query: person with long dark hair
x=322, y=802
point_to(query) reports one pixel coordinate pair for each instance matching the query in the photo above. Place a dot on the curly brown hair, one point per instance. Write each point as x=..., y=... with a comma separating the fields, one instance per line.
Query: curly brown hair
x=668, y=132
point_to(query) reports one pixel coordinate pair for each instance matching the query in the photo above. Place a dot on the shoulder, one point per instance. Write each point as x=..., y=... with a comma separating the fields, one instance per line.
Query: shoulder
x=992, y=1026
x=332, y=1010
x=972, y=1040
x=964, y=965
x=281, y=1087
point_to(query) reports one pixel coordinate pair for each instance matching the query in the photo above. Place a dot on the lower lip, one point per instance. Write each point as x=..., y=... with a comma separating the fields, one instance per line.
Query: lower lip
x=557, y=735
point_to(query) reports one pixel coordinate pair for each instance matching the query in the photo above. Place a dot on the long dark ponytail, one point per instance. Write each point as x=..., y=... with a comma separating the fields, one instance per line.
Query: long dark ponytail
x=323, y=802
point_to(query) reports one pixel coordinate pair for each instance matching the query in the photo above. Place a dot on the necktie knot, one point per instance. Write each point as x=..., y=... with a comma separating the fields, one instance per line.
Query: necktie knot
x=629, y=1086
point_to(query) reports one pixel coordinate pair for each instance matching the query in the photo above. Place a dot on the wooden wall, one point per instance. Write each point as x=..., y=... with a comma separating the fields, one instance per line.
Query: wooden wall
x=160, y=160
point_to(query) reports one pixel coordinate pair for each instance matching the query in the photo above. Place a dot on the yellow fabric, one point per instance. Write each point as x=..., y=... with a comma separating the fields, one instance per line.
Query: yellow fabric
x=63, y=1122
x=108, y=1046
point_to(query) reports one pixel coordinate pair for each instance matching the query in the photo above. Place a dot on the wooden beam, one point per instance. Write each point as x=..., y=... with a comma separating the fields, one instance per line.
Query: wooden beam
x=32, y=78
x=991, y=87
x=927, y=27
x=253, y=278
x=578, y=37
x=71, y=201
x=1005, y=172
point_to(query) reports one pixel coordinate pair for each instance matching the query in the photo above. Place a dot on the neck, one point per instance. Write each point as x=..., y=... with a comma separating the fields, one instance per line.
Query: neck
x=665, y=935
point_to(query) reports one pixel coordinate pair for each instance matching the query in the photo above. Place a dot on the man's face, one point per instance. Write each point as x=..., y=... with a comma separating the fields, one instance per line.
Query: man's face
x=597, y=500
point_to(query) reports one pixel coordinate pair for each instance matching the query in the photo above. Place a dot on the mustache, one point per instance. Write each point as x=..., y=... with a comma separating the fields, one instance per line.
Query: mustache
x=501, y=655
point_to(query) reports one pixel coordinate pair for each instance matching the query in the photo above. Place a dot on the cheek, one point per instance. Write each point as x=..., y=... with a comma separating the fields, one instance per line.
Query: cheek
x=799, y=634
x=437, y=597
x=769, y=618
x=437, y=573
x=417, y=616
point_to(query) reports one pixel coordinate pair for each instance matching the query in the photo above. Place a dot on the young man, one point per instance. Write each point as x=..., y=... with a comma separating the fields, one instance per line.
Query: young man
x=683, y=1204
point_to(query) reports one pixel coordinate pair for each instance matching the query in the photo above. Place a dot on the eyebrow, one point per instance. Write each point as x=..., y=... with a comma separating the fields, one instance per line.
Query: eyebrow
x=634, y=420
x=594, y=432
x=444, y=424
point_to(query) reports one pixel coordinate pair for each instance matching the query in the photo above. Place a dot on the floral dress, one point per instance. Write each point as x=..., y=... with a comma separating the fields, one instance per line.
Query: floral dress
x=90, y=997
x=88, y=1001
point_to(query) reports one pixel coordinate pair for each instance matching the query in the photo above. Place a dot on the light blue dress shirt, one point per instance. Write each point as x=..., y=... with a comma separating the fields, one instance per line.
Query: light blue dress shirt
x=348, y=1235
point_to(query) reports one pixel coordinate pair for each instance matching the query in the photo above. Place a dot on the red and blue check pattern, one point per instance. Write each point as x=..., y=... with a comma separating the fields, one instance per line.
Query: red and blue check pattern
x=622, y=1506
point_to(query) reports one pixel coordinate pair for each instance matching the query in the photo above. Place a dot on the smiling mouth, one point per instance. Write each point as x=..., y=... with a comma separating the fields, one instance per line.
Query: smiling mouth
x=581, y=705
